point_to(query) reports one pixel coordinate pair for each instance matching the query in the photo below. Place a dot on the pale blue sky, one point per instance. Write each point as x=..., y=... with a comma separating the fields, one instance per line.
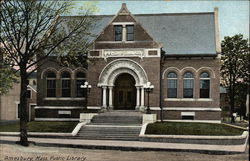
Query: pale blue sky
x=233, y=15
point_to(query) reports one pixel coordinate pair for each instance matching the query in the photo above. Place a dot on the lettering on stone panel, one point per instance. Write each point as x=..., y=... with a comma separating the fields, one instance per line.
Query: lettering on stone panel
x=123, y=53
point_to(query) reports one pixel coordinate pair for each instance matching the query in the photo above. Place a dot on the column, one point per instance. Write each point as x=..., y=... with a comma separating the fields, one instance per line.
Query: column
x=142, y=98
x=104, y=104
x=124, y=32
x=111, y=97
x=137, y=98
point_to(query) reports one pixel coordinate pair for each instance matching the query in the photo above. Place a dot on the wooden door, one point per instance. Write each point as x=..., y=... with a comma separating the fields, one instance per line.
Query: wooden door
x=124, y=93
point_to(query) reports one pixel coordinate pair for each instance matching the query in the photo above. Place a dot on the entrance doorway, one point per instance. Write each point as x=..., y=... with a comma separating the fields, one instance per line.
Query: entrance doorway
x=124, y=92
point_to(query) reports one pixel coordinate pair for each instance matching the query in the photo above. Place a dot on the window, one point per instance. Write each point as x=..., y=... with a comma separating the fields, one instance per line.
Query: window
x=66, y=83
x=64, y=114
x=80, y=79
x=18, y=110
x=34, y=82
x=118, y=33
x=187, y=115
x=188, y=85
x=204, y=85
x=28, y=93
x=51, y=84
x=172, y=85
x=130, y=32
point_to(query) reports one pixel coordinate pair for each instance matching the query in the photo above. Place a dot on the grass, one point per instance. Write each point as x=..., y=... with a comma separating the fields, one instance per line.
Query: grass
x=42, y=126
x=186, y=128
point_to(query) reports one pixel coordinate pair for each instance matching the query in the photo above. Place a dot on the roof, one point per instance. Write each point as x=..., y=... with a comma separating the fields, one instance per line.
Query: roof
x=179, y=34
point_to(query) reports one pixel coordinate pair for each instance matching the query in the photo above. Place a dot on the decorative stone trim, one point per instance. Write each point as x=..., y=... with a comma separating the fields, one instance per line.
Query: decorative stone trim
x=191, y=109
x=116, y=67
x=155, y=108
x=185, y=109
x=56, y=119
x=64, y=98
x=205, y=121
x=93, y=108
x=188, y=99
x=58, y=107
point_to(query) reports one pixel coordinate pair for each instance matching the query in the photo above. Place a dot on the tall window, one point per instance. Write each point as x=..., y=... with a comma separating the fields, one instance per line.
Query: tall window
x=172, y=85
x=118, y=33
x=188, y=85
x=80, y=79
x=204, y=85
x=130, y=32
x=51, y=84
x=66, y=84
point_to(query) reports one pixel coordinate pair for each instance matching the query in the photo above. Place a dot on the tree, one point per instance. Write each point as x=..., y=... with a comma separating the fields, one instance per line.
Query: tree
x=235, y=60
x=31, y=31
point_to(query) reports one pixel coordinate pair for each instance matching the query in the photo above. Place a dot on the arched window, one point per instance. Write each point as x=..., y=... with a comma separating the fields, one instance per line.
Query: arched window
x=204, y=85
x=66, y=83
x=172, y=85
x=80, y=79
x=51, y=84
x=188, y=85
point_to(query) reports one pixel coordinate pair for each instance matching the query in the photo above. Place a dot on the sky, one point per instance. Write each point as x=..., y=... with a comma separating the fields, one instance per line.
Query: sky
x=233, y=14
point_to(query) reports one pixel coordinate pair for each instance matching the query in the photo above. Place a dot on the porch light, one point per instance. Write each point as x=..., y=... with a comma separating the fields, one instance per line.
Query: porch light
x=88, y=87
x=148, y=88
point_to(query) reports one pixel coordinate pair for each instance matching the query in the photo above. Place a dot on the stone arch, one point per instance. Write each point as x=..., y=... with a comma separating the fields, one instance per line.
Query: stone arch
x=120, y=71
x=79, y=69
x=171, y=69
x=119, y=66
x=47, y=70
x=206, y=69
x=66, y=69
x=188, y=69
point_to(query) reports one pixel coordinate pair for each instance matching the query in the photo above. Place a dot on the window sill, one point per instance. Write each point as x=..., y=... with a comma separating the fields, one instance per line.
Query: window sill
x=64, y=98
x=188, y=99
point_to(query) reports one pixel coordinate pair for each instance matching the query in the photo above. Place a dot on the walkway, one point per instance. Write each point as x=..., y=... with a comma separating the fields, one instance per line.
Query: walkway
x=131, y=145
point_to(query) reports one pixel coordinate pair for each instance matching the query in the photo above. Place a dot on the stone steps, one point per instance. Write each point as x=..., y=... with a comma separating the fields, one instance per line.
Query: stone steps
x=117, y=125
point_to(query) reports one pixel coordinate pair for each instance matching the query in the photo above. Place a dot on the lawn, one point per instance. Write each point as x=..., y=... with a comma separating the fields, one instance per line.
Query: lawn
x=42, y=126
x=186, y=128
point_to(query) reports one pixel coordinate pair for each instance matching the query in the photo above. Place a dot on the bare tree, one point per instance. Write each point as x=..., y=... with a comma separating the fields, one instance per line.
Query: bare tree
x=32, y=30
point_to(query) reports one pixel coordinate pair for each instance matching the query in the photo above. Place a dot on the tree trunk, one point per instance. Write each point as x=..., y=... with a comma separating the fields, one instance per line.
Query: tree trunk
x=23, y=109
x=232, y=103
x=231, y=95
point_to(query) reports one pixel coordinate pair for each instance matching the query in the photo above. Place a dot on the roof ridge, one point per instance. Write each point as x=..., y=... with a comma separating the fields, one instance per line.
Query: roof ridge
x=149, y=14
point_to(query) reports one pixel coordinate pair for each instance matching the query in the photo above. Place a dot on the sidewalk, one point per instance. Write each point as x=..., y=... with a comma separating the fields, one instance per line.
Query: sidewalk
x=131, y=145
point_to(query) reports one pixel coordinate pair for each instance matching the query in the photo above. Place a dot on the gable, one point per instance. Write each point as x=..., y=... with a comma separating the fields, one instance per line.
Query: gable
x=141, y=39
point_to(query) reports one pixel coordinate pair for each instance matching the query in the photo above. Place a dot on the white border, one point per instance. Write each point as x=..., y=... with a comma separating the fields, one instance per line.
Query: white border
x=93, y=107
x=59, y=107
x=186, y=109
x=206, y=121
x=64, y=98
x=189, y=99
x=56, y=119
x=191, y=109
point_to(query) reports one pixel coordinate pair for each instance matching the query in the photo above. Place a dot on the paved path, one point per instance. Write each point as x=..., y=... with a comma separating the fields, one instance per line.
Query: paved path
x=40, y=153
x=132, y=145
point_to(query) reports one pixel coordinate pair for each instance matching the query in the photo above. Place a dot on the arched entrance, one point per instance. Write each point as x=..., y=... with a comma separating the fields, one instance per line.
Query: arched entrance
x=124, y=92
x=110, y=77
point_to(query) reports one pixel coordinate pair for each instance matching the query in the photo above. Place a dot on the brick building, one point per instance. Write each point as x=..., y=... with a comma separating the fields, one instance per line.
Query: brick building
x=177, y=53
x=9, y=103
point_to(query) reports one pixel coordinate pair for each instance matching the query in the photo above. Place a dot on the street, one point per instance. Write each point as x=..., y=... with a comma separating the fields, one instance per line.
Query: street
x=10, y=152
